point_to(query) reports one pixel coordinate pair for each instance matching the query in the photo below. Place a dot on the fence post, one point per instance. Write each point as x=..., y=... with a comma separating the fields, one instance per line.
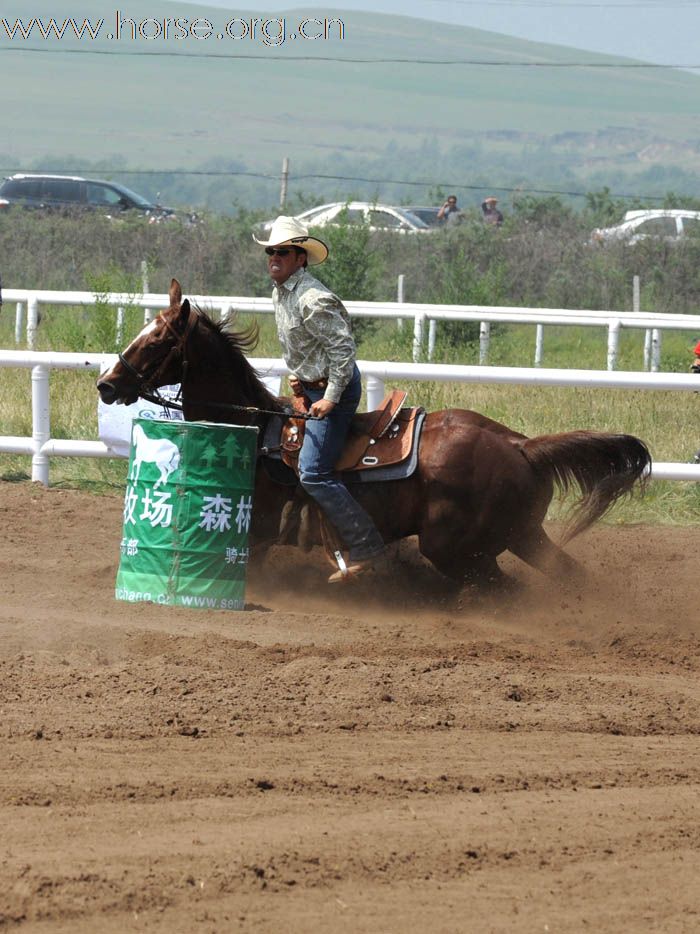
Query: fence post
x=120, y=325
x=375, y=392
x=284, y=180
x=418, y=323
x=400, y=298
x=539, y=344
x=432, y=331
x=19, y=322
x=41, y=430
x=636, y=307
x=32, y=320
x=655, y=350
x=647, y=349
x=484, y=341
x=613, y=343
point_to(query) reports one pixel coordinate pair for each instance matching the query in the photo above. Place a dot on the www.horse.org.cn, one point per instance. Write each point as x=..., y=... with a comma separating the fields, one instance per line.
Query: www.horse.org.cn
x=270, y=32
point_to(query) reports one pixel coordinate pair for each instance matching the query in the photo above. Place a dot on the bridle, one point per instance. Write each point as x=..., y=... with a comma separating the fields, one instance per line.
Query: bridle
x=150, y=393
x=144, y=383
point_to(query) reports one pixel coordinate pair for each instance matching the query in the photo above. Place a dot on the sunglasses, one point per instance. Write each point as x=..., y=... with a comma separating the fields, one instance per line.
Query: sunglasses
x=274, y=251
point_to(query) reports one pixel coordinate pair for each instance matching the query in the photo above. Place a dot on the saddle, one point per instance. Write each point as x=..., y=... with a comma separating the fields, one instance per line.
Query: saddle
x=385, y=438
x=379, y=438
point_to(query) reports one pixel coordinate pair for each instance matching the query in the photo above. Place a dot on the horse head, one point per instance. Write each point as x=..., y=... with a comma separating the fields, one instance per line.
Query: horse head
x=155, y=357
x=208, y=358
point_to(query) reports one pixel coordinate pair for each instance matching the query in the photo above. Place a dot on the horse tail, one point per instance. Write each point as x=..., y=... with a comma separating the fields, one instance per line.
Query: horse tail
x=603, y=466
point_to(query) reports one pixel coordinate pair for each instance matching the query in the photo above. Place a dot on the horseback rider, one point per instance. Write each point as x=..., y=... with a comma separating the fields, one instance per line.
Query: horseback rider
x=318, y=347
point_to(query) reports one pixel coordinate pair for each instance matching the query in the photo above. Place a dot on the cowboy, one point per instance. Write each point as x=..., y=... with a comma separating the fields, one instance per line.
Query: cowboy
x=490, y=212
x=318, y=347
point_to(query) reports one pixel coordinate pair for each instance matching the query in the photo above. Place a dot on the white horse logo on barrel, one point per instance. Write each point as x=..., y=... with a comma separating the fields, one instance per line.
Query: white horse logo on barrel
x=159, y=451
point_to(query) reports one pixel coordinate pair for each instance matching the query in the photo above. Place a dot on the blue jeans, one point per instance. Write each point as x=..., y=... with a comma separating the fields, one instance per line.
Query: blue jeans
x=322, y=447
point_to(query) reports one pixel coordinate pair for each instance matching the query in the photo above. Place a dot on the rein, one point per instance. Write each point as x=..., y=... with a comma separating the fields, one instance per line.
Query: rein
x=155, y=396
x=150, y=394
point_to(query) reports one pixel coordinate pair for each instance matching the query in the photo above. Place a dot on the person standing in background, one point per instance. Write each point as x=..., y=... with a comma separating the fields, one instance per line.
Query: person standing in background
x=449, y=213
x=490, y=212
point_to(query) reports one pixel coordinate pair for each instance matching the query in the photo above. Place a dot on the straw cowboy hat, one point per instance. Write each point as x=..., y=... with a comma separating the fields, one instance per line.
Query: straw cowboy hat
x=288, y=231
x=491, y=200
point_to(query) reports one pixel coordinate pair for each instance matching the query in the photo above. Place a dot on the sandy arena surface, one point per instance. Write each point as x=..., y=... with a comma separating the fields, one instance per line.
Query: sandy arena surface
x=355, y=761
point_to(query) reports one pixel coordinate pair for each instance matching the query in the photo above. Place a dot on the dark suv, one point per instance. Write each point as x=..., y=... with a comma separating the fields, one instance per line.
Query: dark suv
x=65, y=192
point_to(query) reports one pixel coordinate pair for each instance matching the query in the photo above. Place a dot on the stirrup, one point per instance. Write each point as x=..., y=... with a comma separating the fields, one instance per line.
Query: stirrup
x=348, y=572
x=342, y=566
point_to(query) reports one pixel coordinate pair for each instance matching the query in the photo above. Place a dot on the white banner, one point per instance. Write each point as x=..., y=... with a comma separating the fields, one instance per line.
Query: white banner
x=114, y=421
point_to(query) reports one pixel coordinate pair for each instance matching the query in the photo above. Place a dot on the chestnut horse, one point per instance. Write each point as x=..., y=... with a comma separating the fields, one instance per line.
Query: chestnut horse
x=479, y=488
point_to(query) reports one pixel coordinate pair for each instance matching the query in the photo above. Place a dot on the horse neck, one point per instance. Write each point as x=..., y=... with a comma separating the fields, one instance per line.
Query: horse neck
x=221, y=374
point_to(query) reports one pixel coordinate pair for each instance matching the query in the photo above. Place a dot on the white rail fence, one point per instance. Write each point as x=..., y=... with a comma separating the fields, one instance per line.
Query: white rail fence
x=425, y=317
x=41, y=446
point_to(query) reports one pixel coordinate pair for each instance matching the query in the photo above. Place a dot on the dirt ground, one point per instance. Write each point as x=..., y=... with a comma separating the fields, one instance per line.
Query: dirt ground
x=368, y=760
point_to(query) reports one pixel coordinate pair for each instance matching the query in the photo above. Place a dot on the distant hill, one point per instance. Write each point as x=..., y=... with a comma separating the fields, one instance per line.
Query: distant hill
x=131, y=106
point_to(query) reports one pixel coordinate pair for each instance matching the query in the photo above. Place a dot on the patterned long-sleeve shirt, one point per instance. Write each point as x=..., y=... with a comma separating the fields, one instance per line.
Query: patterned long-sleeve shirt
x=314, y=330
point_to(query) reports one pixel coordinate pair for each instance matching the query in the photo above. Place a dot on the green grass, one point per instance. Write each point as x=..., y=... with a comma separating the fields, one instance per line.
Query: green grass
x=666, y=421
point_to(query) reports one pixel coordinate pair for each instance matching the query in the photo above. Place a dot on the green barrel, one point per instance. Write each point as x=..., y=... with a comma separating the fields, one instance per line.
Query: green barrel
x=187, y=513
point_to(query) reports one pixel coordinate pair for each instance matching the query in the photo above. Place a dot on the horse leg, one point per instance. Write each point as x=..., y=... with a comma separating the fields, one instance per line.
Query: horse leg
x=483, y=573
x=480, y=570
x=539, y=551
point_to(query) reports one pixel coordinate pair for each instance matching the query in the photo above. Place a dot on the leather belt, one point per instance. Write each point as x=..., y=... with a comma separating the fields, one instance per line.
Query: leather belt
x=316, y=384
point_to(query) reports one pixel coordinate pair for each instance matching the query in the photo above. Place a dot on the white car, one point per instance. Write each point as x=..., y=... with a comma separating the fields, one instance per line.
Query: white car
x=378, y=216
x=669, y=224
x=428, y=215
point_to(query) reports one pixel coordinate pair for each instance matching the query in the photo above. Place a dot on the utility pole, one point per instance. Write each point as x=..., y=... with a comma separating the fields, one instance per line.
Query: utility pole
x=145, y=287
x=285, y=179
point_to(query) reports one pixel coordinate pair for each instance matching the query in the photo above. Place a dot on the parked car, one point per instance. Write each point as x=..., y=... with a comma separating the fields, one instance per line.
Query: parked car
x=378, y=216
x=639, y=225
x=66, y=192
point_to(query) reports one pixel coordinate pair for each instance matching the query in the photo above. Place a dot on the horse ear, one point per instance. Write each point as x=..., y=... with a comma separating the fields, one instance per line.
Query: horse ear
x=175, y=292
x=182, y=316
x=185, y=308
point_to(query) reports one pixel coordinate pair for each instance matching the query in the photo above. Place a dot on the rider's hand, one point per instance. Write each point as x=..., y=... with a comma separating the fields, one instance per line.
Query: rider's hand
x=322, y=408
x=295, y=386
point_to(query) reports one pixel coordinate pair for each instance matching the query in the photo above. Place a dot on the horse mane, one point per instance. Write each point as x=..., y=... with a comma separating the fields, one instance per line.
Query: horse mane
x=235, y=345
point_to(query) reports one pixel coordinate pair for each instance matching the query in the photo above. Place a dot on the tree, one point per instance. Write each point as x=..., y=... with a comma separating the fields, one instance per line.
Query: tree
x=352, y=269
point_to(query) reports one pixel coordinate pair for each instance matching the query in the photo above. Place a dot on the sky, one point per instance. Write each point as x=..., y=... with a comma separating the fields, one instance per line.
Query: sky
x=650, y=30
